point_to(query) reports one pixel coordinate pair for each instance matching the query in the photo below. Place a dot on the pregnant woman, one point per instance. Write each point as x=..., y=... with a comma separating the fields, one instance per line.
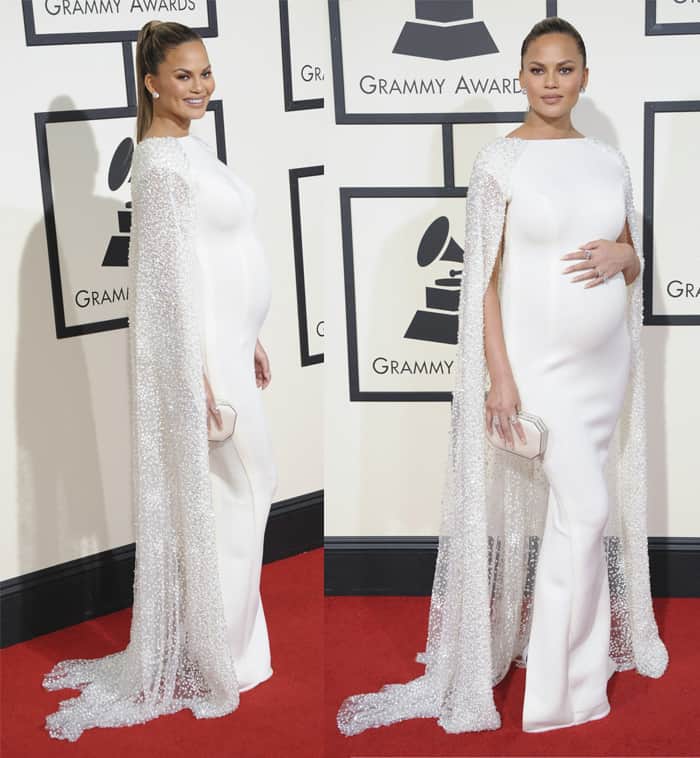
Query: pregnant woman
x=541, y=563
x=200, y=290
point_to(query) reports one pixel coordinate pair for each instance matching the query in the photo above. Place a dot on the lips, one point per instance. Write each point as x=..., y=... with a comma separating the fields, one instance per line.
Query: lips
x=195, y=101
x=551, y=98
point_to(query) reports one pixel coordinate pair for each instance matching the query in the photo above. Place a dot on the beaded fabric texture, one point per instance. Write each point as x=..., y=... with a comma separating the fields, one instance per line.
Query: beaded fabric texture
x=493, y=509
x=177, y=656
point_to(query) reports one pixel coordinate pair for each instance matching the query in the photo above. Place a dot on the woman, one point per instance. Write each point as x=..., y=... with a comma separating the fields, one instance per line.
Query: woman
x=200, y=291
x=543, y=563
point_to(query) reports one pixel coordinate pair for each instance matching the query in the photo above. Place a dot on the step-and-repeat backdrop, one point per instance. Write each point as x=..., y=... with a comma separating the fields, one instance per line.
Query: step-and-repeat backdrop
x=418, y=87
x=68, y=140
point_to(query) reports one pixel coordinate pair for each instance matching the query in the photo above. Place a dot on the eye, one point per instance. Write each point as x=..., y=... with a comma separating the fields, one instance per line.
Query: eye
x=535, y=70
x=207, y=73
x=567, y=69
x=183, y=76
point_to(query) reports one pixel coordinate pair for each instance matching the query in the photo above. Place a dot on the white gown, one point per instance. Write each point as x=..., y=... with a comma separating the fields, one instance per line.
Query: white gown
x=232, y=289
x=199, y=291
x=540, y=553
x=569, y=351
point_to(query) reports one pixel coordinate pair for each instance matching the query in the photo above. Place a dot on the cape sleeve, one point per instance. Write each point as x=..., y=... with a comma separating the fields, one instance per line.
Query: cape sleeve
x=631, y=456
x=457, y=685
x=175, y=524
x=177, y=656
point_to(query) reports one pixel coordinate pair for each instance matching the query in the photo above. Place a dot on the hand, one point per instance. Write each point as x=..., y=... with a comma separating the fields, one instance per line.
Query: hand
x=607, y=259
x=212, y=411
x=502, y=403
x=262, y=366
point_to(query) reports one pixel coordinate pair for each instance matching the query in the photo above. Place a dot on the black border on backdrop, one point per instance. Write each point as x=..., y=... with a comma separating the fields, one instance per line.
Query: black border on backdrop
x=653, y=27
x=650, y=111
x=82, y=38
x=295, y=174
x=346, y=196
x=457, y=117
x=290, y=104
x=52, y=598
x=406, y=566
x=41, y=120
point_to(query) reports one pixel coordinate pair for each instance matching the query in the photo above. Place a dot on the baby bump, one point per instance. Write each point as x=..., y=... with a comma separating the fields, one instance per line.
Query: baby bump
x=588, y=317
x=241, y=284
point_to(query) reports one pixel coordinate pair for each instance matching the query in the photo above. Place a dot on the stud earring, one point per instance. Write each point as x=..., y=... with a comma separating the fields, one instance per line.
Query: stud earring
x=155, y=95
x=524, y=91
x=583, y=89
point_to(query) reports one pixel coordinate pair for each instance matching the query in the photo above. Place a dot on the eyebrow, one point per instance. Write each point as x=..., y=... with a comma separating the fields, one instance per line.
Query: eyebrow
x=568, y=60
x=187, y=71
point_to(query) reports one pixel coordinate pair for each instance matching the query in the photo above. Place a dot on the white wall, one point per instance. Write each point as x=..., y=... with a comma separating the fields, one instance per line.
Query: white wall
x=65, y=477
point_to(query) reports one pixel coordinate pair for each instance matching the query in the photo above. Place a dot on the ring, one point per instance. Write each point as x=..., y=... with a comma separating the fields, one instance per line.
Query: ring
x=496, y=421
x=598, y=274
x=588, y=254
x=605, y=278
x=513, y=419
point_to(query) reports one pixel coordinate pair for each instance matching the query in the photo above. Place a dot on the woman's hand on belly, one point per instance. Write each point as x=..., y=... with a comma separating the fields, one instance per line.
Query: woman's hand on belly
x=607, y=258
x=502, y=403
x=262, y=366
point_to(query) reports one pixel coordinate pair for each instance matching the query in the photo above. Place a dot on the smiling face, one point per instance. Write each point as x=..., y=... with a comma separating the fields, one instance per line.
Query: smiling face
x=553, y=75
x=184, y=81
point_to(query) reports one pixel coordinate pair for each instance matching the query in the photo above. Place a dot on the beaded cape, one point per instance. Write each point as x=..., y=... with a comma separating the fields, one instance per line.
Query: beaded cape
x=177, y=656
x=493, y=507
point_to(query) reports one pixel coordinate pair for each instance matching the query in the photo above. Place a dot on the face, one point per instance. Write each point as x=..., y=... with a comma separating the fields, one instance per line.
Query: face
x=553, y=75
x=185, y=82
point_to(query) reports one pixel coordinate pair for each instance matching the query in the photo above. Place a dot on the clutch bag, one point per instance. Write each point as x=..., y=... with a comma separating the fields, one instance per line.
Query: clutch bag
x=535, y=437
x=228, y=422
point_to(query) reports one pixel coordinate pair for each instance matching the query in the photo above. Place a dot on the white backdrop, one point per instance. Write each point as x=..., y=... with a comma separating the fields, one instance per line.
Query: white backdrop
x=65, y=477
x=386, y=441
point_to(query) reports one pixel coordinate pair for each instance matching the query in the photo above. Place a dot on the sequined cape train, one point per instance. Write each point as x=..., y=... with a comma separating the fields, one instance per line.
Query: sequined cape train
x=177, y=656
x=493, y=508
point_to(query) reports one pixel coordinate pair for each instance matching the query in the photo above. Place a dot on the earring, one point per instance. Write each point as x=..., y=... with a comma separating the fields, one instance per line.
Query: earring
x=524, y=91
x=583, y=89
x=155, y=95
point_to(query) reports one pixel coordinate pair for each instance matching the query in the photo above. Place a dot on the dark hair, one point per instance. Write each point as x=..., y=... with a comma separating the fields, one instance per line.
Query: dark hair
x=152, y=44
x=553, y=25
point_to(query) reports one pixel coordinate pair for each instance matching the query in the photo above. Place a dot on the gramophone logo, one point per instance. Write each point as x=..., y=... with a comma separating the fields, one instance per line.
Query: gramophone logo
x=117, y=253
x=445, y=30
x=438, y=323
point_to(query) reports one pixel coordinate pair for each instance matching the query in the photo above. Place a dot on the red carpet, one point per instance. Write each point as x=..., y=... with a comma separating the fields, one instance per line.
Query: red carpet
x=373, y=641
x=280, y=717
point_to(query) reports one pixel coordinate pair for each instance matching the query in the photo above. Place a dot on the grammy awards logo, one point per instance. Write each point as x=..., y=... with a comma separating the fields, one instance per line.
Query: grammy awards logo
x=440, y=322
x=444, y=31
x=118, y=248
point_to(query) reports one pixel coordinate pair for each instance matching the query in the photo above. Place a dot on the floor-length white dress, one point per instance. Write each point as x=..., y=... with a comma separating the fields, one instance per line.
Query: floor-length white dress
x=569, y=351
x=233, y=289
x=199, y=292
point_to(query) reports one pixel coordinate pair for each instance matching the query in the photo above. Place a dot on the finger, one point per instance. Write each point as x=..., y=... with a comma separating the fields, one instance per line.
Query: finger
x=578, y=267
x=588, y=275
x=496, y=424
x=575, y=255
x=593, y=283
x=520, y=431
x=505, y=426
x=219, y=419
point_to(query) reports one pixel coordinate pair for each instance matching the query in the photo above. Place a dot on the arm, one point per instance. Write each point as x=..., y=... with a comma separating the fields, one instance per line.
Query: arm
x=632, y=269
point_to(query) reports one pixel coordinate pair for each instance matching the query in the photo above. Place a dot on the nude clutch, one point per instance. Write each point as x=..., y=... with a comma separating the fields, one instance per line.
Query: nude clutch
x=535, y=437
x=228, y=422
